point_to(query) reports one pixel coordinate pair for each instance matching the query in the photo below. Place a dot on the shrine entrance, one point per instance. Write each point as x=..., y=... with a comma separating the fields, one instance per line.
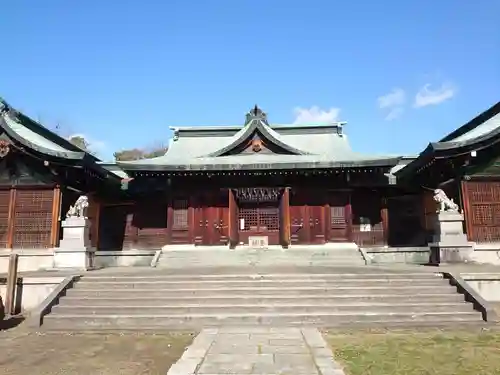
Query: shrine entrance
x=258, y=215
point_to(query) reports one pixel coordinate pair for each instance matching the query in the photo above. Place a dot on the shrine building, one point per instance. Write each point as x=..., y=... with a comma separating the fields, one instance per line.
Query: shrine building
x=257, y=184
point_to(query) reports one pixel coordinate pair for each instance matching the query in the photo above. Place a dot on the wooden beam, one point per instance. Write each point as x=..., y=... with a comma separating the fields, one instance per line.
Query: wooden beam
x=11, y=218
x=56, y=206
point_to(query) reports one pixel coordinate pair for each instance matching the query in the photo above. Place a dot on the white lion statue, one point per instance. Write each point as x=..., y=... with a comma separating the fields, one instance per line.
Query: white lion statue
x=445, y=203
x=79, y=209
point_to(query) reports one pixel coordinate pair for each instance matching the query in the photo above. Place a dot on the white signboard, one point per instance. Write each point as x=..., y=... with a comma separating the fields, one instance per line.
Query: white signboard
x=365, y=227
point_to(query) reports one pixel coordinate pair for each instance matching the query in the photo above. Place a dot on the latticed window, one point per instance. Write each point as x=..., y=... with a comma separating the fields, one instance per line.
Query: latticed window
x=4, y=216
x=259, y=219
x=180, y=214
x=337, y=216
x=33, y=218
x=484, y=198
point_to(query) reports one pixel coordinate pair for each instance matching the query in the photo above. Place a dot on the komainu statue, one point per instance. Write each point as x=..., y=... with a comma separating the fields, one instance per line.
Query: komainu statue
x=445, y=203
x=79, y=209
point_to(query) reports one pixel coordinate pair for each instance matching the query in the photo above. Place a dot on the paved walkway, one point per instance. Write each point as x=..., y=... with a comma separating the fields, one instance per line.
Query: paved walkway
x=256, y=350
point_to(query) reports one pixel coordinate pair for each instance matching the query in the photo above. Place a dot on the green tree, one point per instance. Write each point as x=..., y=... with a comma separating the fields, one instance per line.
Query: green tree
x=137, y=153
x=127, y=155
x=80, y=142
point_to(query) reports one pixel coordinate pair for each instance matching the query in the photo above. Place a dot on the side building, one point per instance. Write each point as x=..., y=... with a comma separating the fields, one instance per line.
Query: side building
x=41, y=175
x=466, y=165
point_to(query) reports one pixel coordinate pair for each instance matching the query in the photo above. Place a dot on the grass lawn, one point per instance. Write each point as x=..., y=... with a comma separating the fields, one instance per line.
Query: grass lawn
x=23, y=353
x=418, y=353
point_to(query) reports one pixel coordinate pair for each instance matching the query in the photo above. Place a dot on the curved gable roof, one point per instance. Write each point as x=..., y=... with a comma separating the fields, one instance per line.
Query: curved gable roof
x=256, y=125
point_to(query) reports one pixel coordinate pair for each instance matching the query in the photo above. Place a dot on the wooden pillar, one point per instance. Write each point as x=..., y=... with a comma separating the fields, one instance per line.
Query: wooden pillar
x=191, y=219
x=94, y=213
x=285, y=232
x=10, y=222
x=56, y=206
x=427, y=213
x=464, y=193
x=233, y=220
x=327, y=217
x=384, y=215
x=348, y=216
x=10, y=295
x=170, y=220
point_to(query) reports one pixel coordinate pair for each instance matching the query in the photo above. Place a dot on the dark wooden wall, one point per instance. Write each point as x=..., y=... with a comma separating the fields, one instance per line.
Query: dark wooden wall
x=300, y=216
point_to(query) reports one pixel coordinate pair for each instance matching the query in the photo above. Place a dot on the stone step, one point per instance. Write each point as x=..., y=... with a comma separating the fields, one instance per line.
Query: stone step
x=261, y=276
x=65, y=326
x=292, y=252
x=277, y=299
x=220, y=284
x=181, y=265
x=182, y=321
x=353, y=309
x=97, y=290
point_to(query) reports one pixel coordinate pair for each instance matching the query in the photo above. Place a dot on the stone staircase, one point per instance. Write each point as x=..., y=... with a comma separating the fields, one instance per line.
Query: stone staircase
x=339, y=298
x=303, y=256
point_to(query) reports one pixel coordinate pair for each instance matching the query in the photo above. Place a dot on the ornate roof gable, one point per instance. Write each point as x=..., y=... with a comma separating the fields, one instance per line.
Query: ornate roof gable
x=255, y=137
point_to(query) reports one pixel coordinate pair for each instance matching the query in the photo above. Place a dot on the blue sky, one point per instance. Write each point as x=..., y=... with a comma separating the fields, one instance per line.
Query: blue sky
x=401, y=73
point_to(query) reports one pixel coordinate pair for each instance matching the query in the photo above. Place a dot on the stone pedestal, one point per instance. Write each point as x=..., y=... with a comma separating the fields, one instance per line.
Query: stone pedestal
x=450, y=244
x=74, y=249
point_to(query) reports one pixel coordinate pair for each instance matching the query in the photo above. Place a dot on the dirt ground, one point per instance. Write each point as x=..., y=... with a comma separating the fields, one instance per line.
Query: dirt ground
x=23, y=352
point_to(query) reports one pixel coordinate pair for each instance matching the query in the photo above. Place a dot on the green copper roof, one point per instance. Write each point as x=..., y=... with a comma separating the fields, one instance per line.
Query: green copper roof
x=34, y=136
x=480, y=132
x=314, y=146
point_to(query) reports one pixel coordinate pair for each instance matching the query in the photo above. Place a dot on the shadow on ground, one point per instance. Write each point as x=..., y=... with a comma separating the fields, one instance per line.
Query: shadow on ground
x=12, y=322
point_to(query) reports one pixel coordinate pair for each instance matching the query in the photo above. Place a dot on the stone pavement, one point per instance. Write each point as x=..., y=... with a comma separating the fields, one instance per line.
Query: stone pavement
x=258, y=350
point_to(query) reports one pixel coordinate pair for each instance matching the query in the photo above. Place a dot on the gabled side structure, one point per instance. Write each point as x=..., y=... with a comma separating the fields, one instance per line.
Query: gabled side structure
x=285, y=184
x=466, y=165
x=41, y=175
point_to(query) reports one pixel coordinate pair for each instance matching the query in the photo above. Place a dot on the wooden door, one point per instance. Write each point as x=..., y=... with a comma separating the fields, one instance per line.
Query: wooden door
x=299, y=226
x=316, y=217
x=338, y=217
x=211, y=219
x=217, y=217
x=200, y=212
x=259, y=219
x=179, y=222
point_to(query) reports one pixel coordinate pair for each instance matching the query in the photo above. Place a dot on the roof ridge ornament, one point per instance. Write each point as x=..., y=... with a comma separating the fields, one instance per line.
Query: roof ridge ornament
x=256, y=114
x=6, y=109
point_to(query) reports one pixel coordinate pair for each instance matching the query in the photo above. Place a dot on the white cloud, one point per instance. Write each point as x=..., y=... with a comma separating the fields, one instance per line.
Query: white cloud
x=393, y=102
x=315, y=115
x=395, y=98
x=427, y=96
